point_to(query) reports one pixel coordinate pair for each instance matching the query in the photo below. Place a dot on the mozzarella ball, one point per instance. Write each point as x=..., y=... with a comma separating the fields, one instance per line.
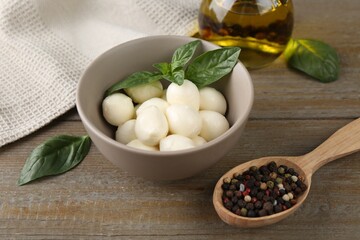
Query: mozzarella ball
x=151, y=126
x=143, y=92
x=136, y=143
x=126, y=132
x=198, y=141
x=213, y=124
x=187, y=94
x=213, y=100
x=117, y=109
x=157, y=102
x=183, y=120
x=175, y=142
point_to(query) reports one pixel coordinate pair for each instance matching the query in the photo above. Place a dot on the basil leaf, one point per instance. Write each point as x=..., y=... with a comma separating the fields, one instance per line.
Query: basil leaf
x=183, y=54
x=134, y=79
x=314, y=58
x=56, y=155
x=178, y=77
x=211, y=66
x=164, y=68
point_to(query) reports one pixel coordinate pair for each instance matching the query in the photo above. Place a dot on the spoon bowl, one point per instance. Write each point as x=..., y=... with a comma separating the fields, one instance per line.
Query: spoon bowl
x=343, y=142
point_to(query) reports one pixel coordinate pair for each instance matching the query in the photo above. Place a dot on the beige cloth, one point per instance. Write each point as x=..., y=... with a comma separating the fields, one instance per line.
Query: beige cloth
x=45, y=46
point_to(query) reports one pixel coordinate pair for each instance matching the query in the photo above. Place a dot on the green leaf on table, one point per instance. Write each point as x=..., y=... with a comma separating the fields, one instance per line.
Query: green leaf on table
x=133, y=80
x=183, y=54
x=211, y=66
x=56, y=155
x=314, y=58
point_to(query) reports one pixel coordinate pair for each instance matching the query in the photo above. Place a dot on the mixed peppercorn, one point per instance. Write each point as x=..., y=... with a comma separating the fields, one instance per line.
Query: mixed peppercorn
x=262, y=191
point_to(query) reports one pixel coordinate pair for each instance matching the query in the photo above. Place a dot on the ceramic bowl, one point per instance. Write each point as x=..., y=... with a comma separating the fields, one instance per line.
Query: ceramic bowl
x=138, y=55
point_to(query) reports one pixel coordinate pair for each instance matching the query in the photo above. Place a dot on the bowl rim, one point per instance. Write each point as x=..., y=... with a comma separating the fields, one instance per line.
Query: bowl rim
x=233, y=128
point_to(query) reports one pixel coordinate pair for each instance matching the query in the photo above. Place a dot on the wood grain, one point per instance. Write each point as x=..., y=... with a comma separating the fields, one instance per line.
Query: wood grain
x=292, y=114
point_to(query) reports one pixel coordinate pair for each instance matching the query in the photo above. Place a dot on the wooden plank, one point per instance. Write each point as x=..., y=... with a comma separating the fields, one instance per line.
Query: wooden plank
x=98, y=200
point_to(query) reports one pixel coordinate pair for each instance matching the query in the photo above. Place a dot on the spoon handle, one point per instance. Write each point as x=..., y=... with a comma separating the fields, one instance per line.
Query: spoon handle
x=343, y=142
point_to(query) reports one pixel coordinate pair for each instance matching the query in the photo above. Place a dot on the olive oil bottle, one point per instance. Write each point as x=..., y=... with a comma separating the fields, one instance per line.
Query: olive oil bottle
x=261, y=28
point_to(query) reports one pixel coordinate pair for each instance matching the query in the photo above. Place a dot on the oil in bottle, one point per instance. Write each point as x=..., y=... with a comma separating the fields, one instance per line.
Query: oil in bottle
x=261, y=28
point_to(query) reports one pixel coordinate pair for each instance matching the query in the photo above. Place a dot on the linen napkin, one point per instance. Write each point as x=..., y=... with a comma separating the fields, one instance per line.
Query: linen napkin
x=45, y=46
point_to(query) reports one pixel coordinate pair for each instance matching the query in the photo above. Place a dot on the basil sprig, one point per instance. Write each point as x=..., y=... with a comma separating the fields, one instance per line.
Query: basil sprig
x=57, y=155
x=314, y=58
x=203, y=70
x=213, y=65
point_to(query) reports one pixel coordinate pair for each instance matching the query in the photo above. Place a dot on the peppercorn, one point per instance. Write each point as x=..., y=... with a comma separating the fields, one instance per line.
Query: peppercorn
x=253, y=168
x=247, y=198
x=242, y=187
x=268, y=206
x=287, y=204
x=258, y=177
x=238, y=211
x=241, y=203
x=262, y=213
x=294, y=178
x=286, y=197
x=229, y=194
x=228, y=205
x=265, y=178
x=250, y=183
x=284, y=167
x=264, y=170
x=272, y=166
x=298, y=191
x=273, y=175
x=234, y=208
x=281, y=170
x=263, y=186
x=251, y=213
x=277, y=208
x=234, y=199
x=279, y=180
x=243, y=212
x=237, y=194
x=280, y=200
x=249, y=206
x=293, y=202
x=236, y=175
x=253, y=192
x=258, y=204
x=270, y=184
x=227, y=180
x=291, y=196
x=232, y=187
x=260, y=195
x=290, y=171
x=225, y=186
x=287, y=187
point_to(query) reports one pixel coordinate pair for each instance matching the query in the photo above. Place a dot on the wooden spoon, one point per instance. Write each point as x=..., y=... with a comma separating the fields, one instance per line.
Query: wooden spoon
x=343, y=142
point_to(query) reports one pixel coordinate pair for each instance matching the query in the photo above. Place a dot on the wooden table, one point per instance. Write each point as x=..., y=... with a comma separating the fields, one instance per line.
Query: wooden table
x=292, y=114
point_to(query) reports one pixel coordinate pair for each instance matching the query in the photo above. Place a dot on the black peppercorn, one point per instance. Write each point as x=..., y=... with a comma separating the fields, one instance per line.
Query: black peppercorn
x=228, y=205
x=225, y=186
x=268, y=206
x=272, y=166
x=241, y=203
x=277, y=208
x=262, y=213
x=258, y=204
x=251, y=213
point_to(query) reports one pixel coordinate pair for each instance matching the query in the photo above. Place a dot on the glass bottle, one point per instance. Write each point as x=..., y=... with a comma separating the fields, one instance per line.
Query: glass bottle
x=261, y=28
